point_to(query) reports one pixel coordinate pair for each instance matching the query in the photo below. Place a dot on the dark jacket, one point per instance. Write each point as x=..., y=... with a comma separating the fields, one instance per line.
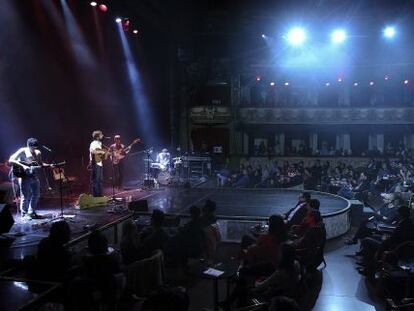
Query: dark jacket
x=403, y=232
x=298, y=216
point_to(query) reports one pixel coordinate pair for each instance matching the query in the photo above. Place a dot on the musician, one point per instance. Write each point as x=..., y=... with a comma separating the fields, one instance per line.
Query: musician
x=29, y=184
x=118, y=151
x=164, y=158
x=96, y=156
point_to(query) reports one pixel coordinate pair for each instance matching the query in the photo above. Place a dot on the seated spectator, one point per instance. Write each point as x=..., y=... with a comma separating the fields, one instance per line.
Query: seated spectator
x=387, y=214
x=132, y=248
x=101, y=265
x=285, y=279
x=372, y=247
x=190, y=241
x=296, y=215
x=53, y=259
x=311, y=243
x=264, y=254
x=155, y=237
x=208, y=216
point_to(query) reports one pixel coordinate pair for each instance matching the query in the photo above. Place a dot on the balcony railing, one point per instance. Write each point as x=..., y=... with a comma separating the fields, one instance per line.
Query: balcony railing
x=326, y=115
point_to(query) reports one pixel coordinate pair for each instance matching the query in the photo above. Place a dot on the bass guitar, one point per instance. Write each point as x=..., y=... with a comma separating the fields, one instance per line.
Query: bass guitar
x=118, y=154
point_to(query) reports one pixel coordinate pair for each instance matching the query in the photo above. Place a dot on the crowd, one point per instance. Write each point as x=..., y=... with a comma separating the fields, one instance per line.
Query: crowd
x=262, y=149
x=347, y=180
x=273, y=264
x=103, y=275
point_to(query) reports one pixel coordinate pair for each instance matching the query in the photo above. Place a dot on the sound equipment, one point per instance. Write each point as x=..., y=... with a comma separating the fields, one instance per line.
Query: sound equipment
x=138, y=206
x=149, y=183
x=6, y=218
x=88, y=201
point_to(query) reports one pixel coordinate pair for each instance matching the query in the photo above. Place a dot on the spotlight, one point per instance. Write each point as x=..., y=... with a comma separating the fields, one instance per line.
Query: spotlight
x=371, y=83
x=355, y=83
x=389, y=32
x=406, y=82
x=258, y=78
x=387, y=77
x=296, y=36
x=338, y=36
x=135, y=31
x=327, y=84
x=339, y=80
x=93, y=3
x=118, y=20
x=263, y=35
x=272, y=83
x=103, y=7
x=286, y=83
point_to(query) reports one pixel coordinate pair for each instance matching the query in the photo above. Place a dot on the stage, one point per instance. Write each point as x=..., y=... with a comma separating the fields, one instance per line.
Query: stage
x=238, y=210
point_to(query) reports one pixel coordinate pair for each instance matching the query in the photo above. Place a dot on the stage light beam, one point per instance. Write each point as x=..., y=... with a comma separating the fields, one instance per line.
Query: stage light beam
x=93, y=3
x=118, y=20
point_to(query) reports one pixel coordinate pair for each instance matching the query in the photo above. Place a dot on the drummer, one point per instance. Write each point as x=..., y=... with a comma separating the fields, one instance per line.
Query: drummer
x=164, y=159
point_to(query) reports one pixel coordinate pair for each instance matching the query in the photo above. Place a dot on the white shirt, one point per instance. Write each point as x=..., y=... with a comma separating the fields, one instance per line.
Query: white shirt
x=163, y=158
x=295, y=210
x=24, y=154
x=96, y=144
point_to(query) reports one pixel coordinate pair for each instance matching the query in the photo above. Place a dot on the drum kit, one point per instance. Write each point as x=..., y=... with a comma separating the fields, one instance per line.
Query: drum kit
x=163, y=173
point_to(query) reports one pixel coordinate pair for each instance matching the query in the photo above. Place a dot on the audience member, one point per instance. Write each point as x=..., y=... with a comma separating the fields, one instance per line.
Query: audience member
x=53, y=259
x=155, y=237
x=297, y=214
x=132, y=248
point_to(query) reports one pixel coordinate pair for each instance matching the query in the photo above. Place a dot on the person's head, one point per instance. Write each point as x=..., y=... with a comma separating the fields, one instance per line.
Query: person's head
x=209, y=207
x=287, y=256
x=129, y=229
x=313, y=204
x=404, y=212
x=97, y=135
x=157, y=218
x=60, y=232
x=304, y=197
x=32, y=144
x=195, y=213
x=277, y=227
x=117, y=139
x=282, y=303
x=164, y=150
x=97, y=243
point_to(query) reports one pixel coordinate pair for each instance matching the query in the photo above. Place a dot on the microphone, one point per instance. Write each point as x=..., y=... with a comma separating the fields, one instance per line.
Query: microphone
x=46, y=148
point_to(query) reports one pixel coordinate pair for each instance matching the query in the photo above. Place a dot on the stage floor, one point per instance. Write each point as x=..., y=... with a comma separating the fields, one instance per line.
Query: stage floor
x=250, y=203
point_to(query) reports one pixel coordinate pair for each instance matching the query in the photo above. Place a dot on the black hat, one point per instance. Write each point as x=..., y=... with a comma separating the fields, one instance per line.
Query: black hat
x=32, y=143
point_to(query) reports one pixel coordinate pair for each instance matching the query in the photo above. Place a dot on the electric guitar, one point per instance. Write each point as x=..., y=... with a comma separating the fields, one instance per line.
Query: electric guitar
x=27, y=169
x=119, y=154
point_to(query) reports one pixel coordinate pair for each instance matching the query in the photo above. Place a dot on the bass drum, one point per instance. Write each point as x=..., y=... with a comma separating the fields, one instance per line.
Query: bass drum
x=164, y=178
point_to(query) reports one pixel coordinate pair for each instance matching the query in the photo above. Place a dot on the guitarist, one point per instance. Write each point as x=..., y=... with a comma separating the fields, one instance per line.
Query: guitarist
x=96, y=156
x=118, y=148
x=29, y=181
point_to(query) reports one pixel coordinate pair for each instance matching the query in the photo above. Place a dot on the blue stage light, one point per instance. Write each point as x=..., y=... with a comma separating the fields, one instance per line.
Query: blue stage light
x=389, y=32
x=296, y=36
x=338, y=36
x=118, y=20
